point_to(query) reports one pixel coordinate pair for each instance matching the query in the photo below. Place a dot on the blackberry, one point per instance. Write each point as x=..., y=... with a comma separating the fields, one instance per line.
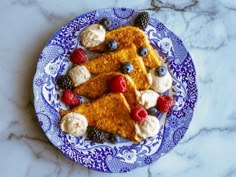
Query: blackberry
x=112, y=138
x=64, y=82
x=142, y=20
x=96, y=135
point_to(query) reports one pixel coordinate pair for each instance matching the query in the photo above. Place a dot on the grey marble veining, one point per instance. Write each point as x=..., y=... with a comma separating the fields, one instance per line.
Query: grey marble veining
x=208, y=30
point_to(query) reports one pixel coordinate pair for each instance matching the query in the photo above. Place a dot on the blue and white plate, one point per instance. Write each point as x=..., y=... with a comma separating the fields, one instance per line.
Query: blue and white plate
x=124, y=155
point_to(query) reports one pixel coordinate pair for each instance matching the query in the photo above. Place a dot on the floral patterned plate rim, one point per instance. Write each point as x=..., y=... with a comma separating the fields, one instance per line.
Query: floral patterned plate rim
x=123, y=156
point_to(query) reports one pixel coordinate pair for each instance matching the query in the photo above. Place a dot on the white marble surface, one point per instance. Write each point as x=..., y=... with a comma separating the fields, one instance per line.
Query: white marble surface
x=207, y=28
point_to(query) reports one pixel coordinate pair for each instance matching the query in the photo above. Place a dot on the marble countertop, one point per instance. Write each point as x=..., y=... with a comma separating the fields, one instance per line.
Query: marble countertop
x=208, y=30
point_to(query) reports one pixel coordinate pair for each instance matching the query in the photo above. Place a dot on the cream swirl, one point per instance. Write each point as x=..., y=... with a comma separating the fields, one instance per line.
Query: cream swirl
x=147, y=98
x=149, y=128
x=74, y=123
x=79, y=75
x=160, y=84
x=93, y=35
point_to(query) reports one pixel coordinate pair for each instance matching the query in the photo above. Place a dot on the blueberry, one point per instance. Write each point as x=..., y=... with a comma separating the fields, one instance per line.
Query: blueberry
x=142, y=51
x=111, y=45
x=126, y=67
x=152, y=111
x=161, y=71
x=105, y=22
x=112, y=138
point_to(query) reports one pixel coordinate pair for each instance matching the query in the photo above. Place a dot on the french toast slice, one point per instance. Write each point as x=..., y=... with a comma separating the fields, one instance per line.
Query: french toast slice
x=103, y=113
x=111, y=62
x=98, y=85
x=127, y=36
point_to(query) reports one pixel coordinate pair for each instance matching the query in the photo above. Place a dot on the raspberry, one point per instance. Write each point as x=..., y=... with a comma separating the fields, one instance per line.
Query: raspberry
x=69, y=98
x=64, y=82
x=96, y=135
x=164, y=103
x=118, y=84
x=142, y=20
x=78, y=56
x=139, y=114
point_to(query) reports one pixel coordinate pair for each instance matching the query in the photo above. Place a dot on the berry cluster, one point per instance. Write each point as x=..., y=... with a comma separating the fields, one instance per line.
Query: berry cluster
x=64, y=82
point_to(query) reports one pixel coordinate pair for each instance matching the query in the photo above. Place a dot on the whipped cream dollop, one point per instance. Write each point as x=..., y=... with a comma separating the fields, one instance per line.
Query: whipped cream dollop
x=93, y=35
x=79, y=75
x=147, y=98
x=159, y=84
x=149, y=128
x=74, y=123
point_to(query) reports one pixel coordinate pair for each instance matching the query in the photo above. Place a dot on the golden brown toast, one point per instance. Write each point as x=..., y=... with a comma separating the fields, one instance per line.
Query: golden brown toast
x=127, y=36
x=111, y=62
x=103, y=113
x=98, y=86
